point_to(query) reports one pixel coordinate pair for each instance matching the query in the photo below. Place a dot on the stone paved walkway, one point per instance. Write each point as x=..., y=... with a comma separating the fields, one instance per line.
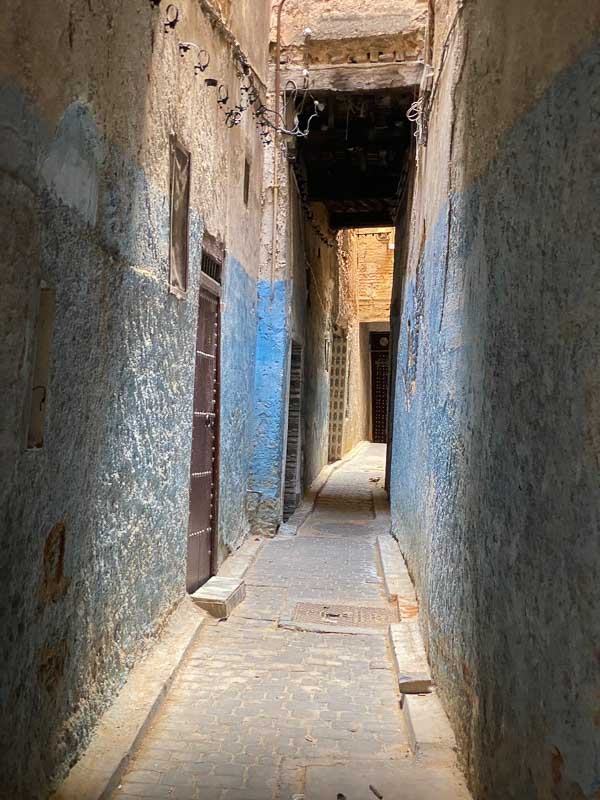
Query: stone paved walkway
x=261, y=712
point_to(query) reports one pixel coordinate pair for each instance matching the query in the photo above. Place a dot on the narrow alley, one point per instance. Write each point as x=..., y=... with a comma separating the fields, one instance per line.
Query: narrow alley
x=300, y=400
x=266, y=709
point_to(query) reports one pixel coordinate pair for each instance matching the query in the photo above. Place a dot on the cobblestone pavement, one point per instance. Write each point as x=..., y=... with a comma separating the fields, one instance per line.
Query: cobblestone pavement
x=256, y=705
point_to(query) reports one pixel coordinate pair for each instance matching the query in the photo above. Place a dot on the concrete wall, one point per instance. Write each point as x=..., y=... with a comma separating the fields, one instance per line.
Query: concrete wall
x=94, y=523
x=495, y=465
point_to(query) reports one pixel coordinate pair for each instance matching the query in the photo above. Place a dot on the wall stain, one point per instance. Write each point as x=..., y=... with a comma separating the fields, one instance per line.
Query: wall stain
x=54, y=583
x=51, y=665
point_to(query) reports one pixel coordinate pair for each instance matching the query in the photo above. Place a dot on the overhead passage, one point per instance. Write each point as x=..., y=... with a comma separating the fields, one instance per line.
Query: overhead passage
x=354, y=160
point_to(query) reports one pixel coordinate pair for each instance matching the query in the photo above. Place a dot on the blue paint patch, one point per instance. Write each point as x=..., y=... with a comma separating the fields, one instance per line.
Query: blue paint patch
x=270, y=394
x=238, y=354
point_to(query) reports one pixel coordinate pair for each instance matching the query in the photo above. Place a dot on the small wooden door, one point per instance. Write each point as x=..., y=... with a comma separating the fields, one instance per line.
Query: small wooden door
x=380, y=367
x=205, y=440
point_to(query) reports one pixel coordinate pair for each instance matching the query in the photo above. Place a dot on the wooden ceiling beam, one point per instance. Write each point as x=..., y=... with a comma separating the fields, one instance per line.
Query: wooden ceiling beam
x=356, y=77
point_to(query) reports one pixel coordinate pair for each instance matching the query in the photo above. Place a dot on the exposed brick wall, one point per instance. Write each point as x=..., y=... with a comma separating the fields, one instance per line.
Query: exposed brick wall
x=374, y=269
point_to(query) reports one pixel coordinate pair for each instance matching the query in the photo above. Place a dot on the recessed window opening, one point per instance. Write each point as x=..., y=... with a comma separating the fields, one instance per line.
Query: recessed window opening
x=41, y=370
x=246, y=181
x=179, y=226
x=213, y=256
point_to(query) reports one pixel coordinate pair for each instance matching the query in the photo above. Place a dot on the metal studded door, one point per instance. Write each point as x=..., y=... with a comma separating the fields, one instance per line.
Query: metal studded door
x=380, y=361
x=205, y=432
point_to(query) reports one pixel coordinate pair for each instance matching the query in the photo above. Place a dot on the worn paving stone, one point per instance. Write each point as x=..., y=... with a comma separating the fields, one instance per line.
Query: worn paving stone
x=255, y=706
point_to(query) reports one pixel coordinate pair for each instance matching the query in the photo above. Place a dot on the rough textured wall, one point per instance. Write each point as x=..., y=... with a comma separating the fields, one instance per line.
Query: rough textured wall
x=274, y=298
x=375, y=270
x=270, y=404
x=238, y=354
x=357, y=411
x=494, y=482
x=342, y=19
x=357, y=425
x=322, y=265
x=94, y=523
x=295, y=301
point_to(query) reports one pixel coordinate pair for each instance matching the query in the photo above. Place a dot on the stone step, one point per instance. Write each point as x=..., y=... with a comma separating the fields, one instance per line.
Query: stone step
x=398, y=585
x=408, y=655
x=220, y=595
x=427, y=727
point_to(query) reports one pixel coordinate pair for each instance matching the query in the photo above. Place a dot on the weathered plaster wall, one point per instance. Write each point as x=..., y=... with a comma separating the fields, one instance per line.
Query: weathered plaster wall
x=357, y=425
x=94, y=524
x=346, y=317
x=296, y=301
x=322, y=266
x=270, y=404
x=363, y=290
x=342, y=19
x=238, y=354
x=494, y=480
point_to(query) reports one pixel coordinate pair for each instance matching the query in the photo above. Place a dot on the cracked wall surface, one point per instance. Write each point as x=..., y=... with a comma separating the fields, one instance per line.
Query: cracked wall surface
x=497, y=352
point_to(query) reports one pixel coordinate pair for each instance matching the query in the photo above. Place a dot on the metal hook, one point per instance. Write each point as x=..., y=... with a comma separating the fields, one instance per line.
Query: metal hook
x=222, y=95
x=203, y=56
x=201, y=65
x=172, y=17
x=232, y=118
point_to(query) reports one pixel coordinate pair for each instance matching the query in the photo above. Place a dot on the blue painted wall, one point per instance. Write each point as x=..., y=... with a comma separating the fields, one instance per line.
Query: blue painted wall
x=114, y=469
x=238, y=355
x=495, y=491
x=270, y=402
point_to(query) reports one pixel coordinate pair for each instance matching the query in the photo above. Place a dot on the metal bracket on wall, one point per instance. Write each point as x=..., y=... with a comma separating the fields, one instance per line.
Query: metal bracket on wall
x=171, y=17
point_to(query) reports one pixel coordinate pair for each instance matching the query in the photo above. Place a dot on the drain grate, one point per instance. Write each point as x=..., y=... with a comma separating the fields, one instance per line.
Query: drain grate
x=344, y=616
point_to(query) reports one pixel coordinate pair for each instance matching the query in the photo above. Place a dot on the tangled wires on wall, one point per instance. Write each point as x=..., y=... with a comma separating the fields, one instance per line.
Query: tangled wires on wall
x=267, y=120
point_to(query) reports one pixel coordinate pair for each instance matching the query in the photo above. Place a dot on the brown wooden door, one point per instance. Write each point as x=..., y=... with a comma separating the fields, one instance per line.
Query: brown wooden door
x=380, y=367
x=205, y=438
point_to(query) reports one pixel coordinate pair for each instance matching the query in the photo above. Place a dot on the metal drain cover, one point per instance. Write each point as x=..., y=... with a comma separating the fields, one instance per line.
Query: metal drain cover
x=344, y=616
